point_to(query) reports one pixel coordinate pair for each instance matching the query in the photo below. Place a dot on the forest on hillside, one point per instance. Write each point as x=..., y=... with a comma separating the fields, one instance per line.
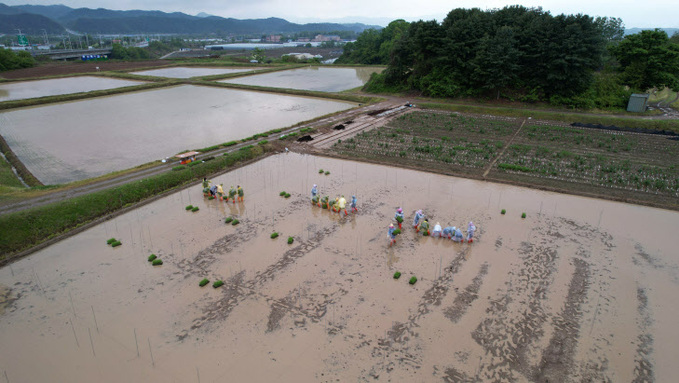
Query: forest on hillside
x=519, y=53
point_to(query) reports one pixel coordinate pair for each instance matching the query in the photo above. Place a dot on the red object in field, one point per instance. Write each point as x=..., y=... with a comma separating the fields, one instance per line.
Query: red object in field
x=185, y=158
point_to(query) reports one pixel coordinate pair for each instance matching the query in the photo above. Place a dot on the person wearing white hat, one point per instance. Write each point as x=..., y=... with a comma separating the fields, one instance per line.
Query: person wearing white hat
x=470, y=232
x=437, y=230
x=390, y=234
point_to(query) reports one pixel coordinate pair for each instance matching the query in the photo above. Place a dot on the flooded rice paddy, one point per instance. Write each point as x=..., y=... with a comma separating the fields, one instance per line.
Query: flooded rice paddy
x=579, y=290
x=58, y=86
x=184, y=72
x=72, y=141
x=311, y=78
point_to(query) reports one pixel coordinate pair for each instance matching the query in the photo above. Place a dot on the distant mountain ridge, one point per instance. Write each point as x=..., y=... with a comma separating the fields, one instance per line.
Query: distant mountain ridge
x=56, y=18
x=669, y=31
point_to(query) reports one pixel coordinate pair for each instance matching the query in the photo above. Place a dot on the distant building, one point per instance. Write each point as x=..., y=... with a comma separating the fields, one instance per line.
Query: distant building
x=323, y=38
x=303, y=39
x=273, y=39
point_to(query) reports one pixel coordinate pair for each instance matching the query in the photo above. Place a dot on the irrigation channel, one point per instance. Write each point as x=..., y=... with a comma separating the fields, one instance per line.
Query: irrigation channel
x=573, y=292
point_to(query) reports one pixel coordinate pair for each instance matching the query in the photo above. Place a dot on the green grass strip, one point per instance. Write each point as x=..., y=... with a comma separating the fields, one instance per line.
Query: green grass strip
x=27, y=228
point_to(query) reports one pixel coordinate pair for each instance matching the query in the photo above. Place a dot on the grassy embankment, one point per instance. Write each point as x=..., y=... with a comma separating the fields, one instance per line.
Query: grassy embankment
x=28, y=228
x=569, y=117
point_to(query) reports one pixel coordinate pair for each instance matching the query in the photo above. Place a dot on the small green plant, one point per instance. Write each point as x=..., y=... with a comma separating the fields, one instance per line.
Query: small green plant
x=180, y=167
x=282, y=194
x=290, y=240
x=396, y=232
x=320, y=171
x=235, y=222
x=157, y=262
x=204, y=282
x=274, y=235
x=397, y=275
x=210, y=198
x=152, y=257
x=287, y=195
x=228, y=220
x=189, y=207
x=116, y=243
x=110, y=241
x=399, y=219
x=327, y=173
x=412, y=280
x=217, y=284
x=195, y=209
x=503, y=211
x=523, y=215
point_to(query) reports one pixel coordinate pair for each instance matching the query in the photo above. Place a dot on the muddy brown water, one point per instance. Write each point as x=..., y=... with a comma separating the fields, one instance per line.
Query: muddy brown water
x=72, y=141
x=580, y=290
x=183, y=72
x=58, y=86
x=311, y=78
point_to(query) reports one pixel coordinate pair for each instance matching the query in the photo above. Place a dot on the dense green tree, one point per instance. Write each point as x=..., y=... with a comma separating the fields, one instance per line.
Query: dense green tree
x=15, y=60
x=496, y=64
x=373, y=46
x=648, y=60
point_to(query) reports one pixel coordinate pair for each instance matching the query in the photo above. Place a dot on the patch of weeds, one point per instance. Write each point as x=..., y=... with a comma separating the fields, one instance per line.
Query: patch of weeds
x=290, y=240
x=189, y=207
x=116, y=244
x=152, y=257
x=218, y=284
x=503, y=211
x=412, y=280
x=235, y=222
x=195, y=209
x=204, y=282
x=157, y=262
x=397, y=275
x=274, y=234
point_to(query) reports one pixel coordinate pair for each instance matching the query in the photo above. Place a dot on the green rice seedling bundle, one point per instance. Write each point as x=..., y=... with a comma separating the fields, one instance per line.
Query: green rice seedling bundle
x=274, y=235
x=116, y=244
x=189, y=207
x=157, y=262
x=235, y=222
x=503, y=211
x=195, y=209
x=228, y=220
x=523, y=215
x=204, y=282
x=110, y=241
x=287, y=195
x=290, y=240
x=152, y=257
x=397, y=275
x=218, y=284
x=320, y=171
x=412, y=280
x=282, y=194
x=396, y=232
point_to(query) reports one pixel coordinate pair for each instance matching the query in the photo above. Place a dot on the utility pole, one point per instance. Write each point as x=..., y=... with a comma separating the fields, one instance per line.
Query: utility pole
x=70, y=46
x=47, y=40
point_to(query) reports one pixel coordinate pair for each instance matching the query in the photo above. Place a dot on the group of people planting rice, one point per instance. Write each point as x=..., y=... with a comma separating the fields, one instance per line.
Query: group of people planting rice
x=338, y=205
x=420, y=221
x=421, y=224
x=217, y=191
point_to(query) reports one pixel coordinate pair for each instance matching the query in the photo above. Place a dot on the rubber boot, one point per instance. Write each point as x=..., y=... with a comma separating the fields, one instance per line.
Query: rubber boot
x=345, y=213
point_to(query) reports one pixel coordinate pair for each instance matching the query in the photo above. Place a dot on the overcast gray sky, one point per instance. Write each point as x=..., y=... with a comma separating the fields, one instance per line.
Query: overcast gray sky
x=634, y=13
